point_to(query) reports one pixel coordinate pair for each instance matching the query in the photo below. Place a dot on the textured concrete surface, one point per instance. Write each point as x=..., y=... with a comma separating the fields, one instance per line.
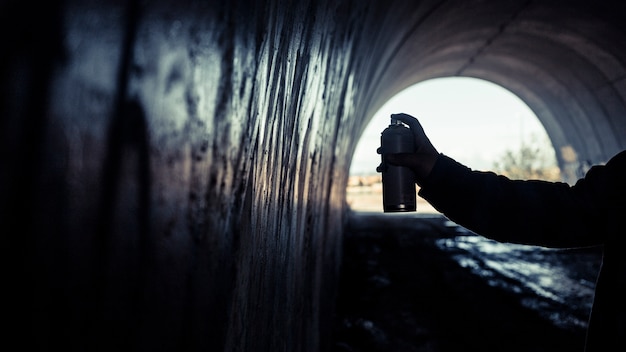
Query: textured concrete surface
x=173, y=173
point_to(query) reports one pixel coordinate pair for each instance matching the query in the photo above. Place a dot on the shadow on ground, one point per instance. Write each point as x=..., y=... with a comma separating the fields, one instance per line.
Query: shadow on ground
x=414, y=283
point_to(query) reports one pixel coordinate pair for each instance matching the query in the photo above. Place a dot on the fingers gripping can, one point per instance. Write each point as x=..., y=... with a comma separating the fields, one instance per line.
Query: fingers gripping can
x=398, y=181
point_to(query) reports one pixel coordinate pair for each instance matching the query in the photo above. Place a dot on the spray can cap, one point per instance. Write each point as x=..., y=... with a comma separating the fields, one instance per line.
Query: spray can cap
x=395, y=121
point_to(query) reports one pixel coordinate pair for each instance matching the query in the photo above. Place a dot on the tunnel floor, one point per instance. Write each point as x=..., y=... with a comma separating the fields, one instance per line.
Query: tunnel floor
x=416, y=283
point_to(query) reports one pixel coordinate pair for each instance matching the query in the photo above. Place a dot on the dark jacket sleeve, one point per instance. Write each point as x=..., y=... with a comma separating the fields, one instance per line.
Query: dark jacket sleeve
x=550, y=214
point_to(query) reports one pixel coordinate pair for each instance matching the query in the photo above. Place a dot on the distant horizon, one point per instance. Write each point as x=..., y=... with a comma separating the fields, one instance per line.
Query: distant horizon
x=471, y=120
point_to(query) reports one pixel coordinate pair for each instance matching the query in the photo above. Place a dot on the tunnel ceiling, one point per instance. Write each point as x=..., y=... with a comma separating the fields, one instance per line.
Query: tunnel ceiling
x=567, y=62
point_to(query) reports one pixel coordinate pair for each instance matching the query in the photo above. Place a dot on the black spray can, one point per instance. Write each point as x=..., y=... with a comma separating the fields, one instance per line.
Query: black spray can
x=398, y=181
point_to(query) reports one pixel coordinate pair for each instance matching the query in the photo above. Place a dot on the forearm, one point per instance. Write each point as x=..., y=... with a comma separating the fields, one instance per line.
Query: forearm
x=528, y=212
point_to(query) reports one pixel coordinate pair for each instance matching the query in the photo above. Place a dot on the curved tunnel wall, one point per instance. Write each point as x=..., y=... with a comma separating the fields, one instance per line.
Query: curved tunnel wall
x=174, y=173
x=565, y=61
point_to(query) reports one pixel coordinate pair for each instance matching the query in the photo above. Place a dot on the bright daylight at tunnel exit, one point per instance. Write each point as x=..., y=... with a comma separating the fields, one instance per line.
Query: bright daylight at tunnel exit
x=479, y=123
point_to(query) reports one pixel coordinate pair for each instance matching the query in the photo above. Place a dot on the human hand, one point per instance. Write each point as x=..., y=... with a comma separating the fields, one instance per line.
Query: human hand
x=423, y=159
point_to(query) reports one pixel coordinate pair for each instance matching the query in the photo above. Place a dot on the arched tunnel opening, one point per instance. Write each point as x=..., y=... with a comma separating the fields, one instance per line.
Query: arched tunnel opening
x=478, y=123
x=173, y=173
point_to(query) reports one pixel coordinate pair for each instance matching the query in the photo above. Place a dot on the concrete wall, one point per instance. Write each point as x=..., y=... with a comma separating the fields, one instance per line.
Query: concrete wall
x=173, y=173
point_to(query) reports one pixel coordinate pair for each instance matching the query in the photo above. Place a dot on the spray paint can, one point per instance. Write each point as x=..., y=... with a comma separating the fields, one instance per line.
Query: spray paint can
x=398, y=181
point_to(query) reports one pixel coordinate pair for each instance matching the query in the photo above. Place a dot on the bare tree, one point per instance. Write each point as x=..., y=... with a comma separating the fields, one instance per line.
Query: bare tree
x=534, y=160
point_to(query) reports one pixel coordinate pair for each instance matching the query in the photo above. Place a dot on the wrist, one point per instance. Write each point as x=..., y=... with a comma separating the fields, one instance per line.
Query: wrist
x=423, y=169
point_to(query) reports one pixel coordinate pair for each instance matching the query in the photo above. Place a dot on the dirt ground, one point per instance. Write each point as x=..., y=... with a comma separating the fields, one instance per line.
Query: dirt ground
x=400, y=292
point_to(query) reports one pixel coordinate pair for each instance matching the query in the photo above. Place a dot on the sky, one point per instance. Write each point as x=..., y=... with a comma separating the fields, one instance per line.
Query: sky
x=473, y=121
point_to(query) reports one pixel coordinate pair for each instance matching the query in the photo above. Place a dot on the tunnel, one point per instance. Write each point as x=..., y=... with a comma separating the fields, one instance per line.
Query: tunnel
x=173, y=172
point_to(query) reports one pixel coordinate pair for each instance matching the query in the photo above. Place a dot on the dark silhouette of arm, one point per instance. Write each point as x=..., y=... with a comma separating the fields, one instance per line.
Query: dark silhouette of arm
x=550, y=214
